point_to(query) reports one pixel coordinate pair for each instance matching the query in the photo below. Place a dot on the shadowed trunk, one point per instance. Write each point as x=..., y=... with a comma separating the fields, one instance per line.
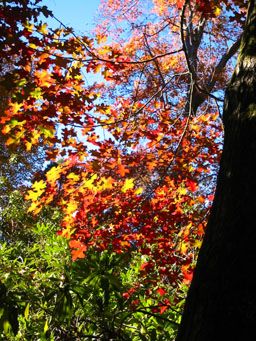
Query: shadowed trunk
x=221, y=303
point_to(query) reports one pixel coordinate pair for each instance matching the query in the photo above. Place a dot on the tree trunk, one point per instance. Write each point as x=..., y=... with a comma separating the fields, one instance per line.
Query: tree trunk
x=221, y=303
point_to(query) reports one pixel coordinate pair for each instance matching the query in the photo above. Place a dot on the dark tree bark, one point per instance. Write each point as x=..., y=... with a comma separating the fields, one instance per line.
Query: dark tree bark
x=221, y=303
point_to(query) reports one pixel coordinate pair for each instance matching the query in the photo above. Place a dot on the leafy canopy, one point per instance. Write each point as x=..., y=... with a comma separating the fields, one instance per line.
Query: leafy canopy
x=138, y=153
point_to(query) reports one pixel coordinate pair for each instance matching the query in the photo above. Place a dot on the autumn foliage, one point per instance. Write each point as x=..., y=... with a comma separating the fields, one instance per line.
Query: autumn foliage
x=137, y=151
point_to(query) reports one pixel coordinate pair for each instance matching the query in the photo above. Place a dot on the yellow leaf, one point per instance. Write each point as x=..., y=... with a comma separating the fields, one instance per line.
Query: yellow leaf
x=197, y=244
x=217, y=11
x=33, y=46
x=38, y=189
x=53, y=175
x=43, y=78
x=35, y=208
x=101, y=38
x=16, y=123
x=16, y=107
x=71, y=207
x=10, y=141
x=89, y=183
x=35, y=136
x=182, y=191
x=139, y=191
x=29, y=26
x=128, y=184
x=28, y=146
x=183, y=248
x=47, y=132
x=73, y=176
x=39, y=185
x=98, y=68
x=106, y=183
x=6, y=129
x=36, y=93
x=43, y=29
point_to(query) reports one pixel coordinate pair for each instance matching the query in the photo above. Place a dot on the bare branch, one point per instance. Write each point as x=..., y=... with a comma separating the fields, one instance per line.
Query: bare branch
x=183, y=39
x=222, y=63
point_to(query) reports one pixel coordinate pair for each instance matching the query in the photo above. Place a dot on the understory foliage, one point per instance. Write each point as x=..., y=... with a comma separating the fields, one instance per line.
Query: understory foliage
x=47, y=296
x=131, y=163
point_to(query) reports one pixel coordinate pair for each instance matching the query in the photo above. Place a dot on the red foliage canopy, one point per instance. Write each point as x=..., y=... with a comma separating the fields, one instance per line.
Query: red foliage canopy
x=139, y=150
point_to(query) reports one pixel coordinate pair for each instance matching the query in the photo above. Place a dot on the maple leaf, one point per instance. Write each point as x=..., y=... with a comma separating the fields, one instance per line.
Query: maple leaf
x=71, y=207
x=128, y=184
x=161, y=291
x=77, y=249
x=6, y=129
x=217, y=11
x=28, y=145
x=122, y=170
x=182, y=191
x=15, y=107
x=38, y=190
x=163, y=308
x=191, y=185
x=197, y=244
x=106, y=183
x=39, y=185
x=73, y=176
x=43, y=28
x=187, y=273
x=101, y=38
x=44, y=78
x=35, y=208
x=180, y=4
x=139, y=191
x=90, y=182
x=53, y=174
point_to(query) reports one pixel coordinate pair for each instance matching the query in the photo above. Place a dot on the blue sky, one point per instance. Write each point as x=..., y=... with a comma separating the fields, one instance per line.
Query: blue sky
x=78, y=14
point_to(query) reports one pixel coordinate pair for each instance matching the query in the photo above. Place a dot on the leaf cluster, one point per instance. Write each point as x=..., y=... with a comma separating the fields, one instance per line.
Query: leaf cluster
x=46, y=296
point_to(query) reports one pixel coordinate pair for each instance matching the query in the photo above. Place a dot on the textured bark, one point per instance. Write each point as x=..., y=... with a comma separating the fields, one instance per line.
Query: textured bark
x=221, y=303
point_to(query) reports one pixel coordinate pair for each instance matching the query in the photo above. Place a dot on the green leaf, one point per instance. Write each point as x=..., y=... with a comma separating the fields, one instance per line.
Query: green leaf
x=46, y=326
x=26, y=312
x=7, y=327
x=36, y=93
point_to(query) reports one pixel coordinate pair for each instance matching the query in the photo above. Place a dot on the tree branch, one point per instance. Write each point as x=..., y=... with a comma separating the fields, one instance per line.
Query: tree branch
x=222, y=63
